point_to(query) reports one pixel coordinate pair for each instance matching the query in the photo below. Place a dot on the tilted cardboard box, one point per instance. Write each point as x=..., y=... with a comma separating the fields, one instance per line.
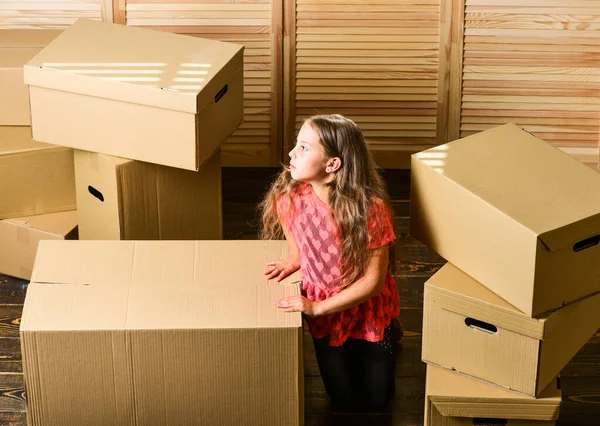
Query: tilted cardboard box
x=515, y=213
x=35, y=178
x=136, y=93
x=468, y=328
x=119, y=199
x=160, y=332
x=19, y=239
x=17, y=47
x=452, y=399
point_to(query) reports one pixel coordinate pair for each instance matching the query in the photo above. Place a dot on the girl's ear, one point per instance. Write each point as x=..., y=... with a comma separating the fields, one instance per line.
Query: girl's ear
x=333, y=164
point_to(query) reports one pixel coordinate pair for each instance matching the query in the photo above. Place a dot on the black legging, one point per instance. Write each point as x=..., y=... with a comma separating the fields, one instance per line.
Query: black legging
x=358, y=375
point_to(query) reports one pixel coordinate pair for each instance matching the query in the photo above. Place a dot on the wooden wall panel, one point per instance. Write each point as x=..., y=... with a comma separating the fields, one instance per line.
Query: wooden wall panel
x=38, y=14
x=375, y=61
x=257, y=24
x=535, y=63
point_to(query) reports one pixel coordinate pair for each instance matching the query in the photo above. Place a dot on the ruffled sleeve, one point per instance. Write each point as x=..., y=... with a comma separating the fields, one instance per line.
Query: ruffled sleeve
x=381, y=229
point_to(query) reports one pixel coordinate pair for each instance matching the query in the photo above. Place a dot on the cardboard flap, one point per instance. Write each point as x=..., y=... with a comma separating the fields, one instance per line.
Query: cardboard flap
x=576, y=236
x=136, y=65
x=498, y=410
x=141, y=285
x=458, y=395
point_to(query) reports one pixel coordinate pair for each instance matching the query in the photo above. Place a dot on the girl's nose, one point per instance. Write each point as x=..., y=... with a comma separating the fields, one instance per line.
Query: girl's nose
x=291, y=153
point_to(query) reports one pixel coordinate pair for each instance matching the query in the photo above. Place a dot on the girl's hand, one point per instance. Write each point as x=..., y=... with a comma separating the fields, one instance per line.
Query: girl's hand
x=299, y=304
x=282, y=268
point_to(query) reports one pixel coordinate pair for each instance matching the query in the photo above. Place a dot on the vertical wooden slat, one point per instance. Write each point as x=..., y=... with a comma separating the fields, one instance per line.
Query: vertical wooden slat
x=445, y=55
x=277, y=81
x=289, y=75
x=107, y=11
x=119, y=12
x=456, y=66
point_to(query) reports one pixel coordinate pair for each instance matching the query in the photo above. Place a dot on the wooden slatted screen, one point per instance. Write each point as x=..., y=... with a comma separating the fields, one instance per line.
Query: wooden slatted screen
x=37, y=14
x=535, y=63
x=257, y=25
x=375, y=61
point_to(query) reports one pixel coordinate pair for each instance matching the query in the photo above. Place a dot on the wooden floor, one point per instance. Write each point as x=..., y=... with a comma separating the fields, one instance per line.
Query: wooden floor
x=242, y=189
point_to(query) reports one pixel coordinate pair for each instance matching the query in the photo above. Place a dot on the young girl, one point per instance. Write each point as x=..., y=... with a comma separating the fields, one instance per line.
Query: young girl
x=331, y=206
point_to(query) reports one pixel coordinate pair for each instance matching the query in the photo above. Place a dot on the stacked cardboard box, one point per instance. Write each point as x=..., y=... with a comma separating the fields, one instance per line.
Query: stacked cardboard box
x=147, y=112
x=37, y=187
x=519, y=222
x=144, y=332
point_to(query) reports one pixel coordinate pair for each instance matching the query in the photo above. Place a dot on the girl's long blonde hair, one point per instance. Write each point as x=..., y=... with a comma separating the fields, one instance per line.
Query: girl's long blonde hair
x=355, y=186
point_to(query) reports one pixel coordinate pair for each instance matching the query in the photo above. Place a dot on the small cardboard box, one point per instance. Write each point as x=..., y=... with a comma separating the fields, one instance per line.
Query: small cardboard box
x=160, y=332
x=17, y=47
x=468, y=328
x=513, y=212
x=120, y=199
x=136, y=93
x=452, y=399
x=35, y=178
x=19, y=239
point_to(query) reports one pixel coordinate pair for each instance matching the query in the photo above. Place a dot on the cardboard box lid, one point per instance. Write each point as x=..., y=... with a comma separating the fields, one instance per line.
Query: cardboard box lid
x=517, y=173
x=133, y=285
x=27, y=38
x=16, y=139
x=141, y=66
x=60, y=223
x=457, y=395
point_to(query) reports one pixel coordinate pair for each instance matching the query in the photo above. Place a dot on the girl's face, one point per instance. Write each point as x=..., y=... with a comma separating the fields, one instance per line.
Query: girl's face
x=307, y=159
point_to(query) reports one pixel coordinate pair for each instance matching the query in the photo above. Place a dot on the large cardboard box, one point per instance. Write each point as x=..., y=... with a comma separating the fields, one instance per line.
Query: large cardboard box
x=513, y=212
x=19, y=239
x=468, y=328
x=120, y=199
x=17, y=47
x=455, y=400
x=136, y=93
x=160, y=332
x=35, y=178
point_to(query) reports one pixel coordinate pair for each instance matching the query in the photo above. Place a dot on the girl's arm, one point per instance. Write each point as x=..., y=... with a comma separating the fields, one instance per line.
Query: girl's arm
x=369, y=285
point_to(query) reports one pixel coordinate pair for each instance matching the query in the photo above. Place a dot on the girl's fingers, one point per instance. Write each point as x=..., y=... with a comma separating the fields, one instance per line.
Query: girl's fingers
x=273, y=274
x=282, y=275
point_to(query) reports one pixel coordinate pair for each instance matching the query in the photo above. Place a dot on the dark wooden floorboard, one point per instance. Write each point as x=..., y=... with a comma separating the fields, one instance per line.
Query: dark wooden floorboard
x=415, y=263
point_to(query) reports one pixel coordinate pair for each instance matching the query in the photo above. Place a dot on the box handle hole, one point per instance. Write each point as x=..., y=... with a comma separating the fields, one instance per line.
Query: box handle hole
x=96, y=193
x=481, y=326
x=483, y=421
x=221, y=93
x=587, y=243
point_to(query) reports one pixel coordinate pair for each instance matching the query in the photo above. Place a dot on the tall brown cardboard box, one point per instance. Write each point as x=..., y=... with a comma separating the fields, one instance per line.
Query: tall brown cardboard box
x=35, y=178
x=160, y=332
x=512, y=211
x=120, y=199
x=17, y=47
x=136, y=93
x=455, y=400
x=468, y=328
x=19, y=239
